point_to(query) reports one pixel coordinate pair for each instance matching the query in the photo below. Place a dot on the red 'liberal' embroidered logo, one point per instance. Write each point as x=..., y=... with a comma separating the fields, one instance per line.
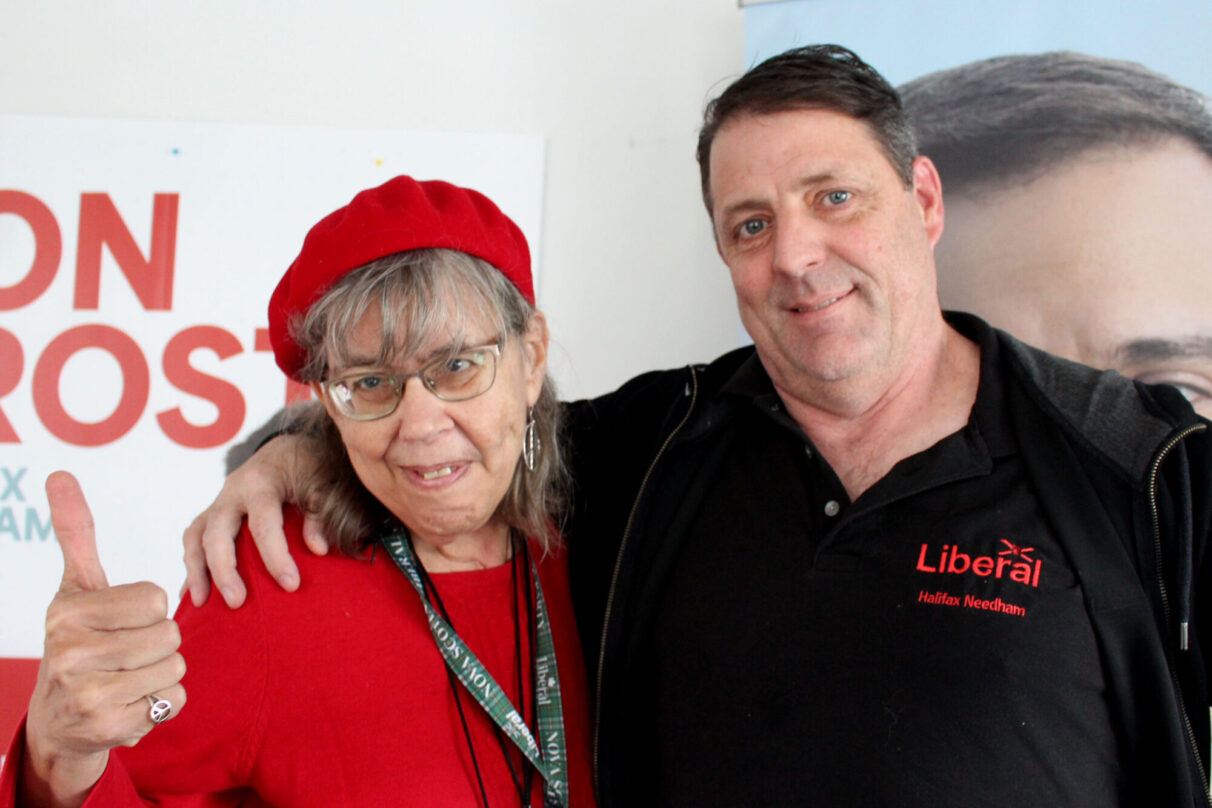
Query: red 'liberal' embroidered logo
x=1014, y=562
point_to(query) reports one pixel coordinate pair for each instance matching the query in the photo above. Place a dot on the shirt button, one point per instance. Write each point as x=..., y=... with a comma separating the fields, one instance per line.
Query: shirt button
x=832, y=508
x=808, y=451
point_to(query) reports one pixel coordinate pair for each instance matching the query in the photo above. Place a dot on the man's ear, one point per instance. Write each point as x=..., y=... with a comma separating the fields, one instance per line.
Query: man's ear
x=928, y=191
x=534, y=355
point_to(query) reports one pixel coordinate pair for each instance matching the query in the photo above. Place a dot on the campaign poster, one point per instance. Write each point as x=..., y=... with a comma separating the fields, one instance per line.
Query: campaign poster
x=136, y=262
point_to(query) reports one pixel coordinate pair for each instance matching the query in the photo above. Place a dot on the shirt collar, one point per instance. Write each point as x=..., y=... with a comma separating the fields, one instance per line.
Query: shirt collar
x=990, y=416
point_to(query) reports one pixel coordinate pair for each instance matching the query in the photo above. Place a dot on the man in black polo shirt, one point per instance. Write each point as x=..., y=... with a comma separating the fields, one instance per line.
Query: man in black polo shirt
x=884, y=556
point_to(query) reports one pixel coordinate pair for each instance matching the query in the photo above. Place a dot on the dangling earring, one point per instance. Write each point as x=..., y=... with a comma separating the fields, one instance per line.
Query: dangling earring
x=531, y=445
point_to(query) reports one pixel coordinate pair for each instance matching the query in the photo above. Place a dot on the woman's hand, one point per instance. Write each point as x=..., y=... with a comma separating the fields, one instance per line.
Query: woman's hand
x=257, y=489
x=107, y=649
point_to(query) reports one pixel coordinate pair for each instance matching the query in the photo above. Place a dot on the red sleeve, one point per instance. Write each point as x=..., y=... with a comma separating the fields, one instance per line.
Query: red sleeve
x=114, y=788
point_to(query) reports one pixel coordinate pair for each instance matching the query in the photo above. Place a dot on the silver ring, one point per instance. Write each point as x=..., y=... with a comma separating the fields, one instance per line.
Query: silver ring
x=161, y=709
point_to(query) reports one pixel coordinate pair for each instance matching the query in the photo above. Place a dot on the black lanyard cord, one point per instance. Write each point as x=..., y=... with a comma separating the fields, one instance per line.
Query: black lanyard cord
x=524, y=784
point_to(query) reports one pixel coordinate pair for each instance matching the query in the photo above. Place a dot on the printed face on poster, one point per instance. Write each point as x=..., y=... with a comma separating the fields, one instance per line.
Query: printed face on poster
x=136, y=262
x=1075, y=157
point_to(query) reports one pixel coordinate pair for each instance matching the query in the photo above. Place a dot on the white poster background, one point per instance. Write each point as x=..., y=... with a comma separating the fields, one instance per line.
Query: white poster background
x=247, y=195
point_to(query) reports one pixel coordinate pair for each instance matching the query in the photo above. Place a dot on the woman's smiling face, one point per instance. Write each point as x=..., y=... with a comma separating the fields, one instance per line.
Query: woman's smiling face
x=443, y=467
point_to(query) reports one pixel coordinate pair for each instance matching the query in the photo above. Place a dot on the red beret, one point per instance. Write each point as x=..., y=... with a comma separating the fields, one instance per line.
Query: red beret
x=401, y=214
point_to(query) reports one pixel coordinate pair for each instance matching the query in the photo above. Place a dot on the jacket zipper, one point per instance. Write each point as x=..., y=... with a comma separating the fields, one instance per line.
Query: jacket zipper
x=1164, y=593
x=693, y=391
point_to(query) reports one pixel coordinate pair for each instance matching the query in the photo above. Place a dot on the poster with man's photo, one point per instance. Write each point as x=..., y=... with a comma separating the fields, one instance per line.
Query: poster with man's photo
x=1074, y=143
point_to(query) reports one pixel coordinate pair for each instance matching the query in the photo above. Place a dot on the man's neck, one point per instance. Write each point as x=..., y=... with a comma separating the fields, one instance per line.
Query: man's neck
x=863, y=430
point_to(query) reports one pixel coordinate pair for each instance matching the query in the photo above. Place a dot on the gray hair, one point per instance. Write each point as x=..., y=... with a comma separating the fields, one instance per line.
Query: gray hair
x=421, y=294
x=1007, y=120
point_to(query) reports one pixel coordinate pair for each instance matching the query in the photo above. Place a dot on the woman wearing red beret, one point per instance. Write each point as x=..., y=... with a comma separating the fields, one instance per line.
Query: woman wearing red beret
x=435, y=661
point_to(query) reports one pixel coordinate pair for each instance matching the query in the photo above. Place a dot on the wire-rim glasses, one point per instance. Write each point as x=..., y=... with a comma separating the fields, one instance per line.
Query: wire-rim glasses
x=455, y=377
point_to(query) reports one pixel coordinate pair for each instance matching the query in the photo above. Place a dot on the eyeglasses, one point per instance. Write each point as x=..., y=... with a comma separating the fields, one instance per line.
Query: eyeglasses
x=367, y=396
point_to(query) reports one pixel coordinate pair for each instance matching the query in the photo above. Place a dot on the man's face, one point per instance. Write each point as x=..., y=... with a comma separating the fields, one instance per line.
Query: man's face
x=1106, y=260
x=830, y=253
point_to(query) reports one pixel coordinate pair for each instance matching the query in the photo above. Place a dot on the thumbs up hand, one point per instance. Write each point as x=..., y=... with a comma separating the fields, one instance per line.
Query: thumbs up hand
x=107, y=649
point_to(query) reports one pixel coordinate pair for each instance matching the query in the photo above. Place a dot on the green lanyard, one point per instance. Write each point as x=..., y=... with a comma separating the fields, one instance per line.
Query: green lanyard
x=484, y=689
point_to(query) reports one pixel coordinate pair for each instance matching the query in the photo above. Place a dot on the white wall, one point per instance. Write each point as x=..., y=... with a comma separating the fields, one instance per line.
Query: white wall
x=629, y=277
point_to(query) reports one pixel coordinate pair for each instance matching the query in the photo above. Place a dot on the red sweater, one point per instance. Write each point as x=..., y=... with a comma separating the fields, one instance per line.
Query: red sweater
x=335, y=695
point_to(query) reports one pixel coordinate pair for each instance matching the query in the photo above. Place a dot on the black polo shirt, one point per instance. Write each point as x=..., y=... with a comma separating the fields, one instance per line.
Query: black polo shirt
x=925, y=645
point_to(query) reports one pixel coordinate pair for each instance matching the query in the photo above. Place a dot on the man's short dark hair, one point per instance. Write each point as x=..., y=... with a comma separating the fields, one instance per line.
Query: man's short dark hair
x=1007, y=120
x=826, y=77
